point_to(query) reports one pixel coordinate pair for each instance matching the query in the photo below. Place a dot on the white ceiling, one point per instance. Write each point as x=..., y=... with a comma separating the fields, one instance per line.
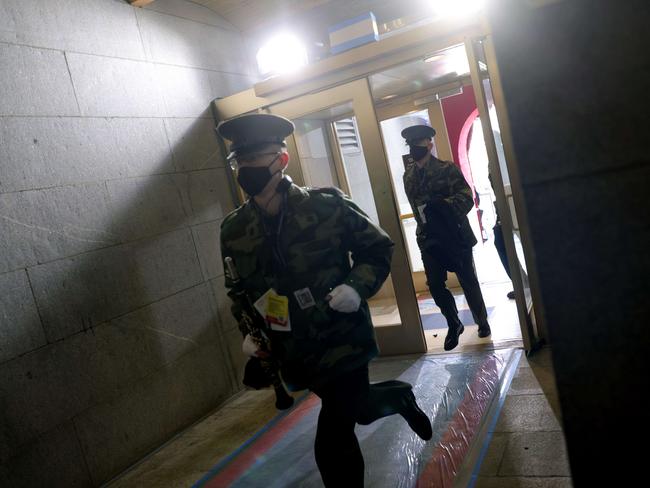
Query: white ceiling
x=248, y=15
x=417, y=75
x=252, y=15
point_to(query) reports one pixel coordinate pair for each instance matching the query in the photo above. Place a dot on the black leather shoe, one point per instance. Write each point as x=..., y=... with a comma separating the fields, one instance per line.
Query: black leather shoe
x=415, y=417
x=453, y=333
x=484, y=331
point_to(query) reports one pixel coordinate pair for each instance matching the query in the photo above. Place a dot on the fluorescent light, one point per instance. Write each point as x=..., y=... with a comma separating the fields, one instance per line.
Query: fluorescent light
x=388, y=97
x=282, y=54
x=435, y=57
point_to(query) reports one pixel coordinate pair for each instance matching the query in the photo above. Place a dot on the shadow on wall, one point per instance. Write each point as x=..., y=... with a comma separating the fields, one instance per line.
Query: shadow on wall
x=139, y=341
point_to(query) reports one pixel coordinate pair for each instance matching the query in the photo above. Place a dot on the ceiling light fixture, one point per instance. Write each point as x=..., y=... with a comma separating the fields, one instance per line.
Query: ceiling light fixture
x=282, y=54
x=435, y=57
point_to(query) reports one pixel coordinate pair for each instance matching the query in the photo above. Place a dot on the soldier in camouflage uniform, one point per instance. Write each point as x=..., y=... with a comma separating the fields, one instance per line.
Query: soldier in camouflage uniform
x=441, y=198
x=298, y=242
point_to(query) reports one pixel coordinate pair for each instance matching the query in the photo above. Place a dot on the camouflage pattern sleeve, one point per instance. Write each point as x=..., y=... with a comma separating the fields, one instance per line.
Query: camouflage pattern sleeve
x=371, y=249
x=460, y=200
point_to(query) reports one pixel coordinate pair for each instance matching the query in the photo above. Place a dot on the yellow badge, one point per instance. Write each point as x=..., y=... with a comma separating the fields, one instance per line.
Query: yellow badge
x=277, y=310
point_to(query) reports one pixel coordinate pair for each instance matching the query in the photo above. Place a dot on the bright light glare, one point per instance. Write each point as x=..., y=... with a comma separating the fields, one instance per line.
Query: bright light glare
x=456, y=8
x=456, y=61
x=282, y=54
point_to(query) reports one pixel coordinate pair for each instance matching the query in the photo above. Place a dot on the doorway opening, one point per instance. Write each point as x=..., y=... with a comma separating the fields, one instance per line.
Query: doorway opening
x=442, y=97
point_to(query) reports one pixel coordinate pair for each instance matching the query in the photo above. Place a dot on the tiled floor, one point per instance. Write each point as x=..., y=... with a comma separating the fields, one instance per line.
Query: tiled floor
x=188, y=457
x=502, y=318
x=526, y=449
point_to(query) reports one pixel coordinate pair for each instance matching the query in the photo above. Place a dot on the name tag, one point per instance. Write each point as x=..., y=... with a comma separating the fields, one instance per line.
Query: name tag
x=275, y=309
x=304, y=298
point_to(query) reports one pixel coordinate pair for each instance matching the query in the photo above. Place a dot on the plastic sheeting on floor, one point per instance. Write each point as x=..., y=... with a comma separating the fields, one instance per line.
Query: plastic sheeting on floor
x=455, y=391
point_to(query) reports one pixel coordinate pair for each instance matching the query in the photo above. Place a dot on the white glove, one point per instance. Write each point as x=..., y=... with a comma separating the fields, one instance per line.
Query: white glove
x=250, y=347
x=344, y=299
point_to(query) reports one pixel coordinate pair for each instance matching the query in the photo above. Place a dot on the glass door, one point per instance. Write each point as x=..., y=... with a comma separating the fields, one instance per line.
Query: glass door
x=499, y=166
x=337, y=142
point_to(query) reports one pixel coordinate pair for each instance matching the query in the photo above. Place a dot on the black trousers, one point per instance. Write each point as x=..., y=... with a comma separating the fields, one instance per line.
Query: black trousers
x=437, y=275
x=500, y=244
x=346, y=401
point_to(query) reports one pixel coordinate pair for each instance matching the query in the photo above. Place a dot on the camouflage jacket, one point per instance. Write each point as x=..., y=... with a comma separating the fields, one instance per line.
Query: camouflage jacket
x=319, y=231
x=441, y=188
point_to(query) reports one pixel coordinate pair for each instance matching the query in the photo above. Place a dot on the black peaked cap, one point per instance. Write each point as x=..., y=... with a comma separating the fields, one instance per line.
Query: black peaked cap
x=253, y=130
x=417, y=133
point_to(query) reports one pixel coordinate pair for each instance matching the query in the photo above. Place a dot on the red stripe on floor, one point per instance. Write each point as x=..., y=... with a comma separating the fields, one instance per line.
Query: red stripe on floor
x=267, y=440
x=448, y=455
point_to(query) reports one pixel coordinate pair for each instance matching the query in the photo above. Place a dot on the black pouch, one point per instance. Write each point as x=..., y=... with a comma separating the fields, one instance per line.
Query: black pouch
x=255, y=376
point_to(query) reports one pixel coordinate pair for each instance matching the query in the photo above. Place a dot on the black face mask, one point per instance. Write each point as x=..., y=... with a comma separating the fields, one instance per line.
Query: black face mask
x=254, y=179
x=418, y=152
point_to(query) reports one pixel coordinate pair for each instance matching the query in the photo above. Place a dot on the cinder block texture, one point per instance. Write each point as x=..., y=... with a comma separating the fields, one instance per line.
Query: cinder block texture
x=188, y=91
x=206, y=195
x=109, y=28
x=112, y=87
x=57, y=382
x=194, y=144
x=233, y=343
x=223, y=304
x=46, y=152
x=77, y=293
x=20, y=326
x=42, y=225
x=190, y=11
x=113, y=434
x=54, y=460
x=207, y=238
x=35, y=82
x=224, y=52
x=112, y=187
x=145, y=206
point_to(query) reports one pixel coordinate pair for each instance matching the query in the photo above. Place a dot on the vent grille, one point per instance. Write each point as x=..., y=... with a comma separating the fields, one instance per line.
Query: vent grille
x=347, y=135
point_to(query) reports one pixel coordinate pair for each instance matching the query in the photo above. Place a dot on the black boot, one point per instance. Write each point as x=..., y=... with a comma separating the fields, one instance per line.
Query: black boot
x=453, y=333
x=484, y=330
x=415, y=417
x=394, y=396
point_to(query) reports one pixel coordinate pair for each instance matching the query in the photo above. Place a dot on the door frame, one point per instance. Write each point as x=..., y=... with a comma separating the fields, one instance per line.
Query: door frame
x=529, y=333
x=403, y=106
x=408, y=337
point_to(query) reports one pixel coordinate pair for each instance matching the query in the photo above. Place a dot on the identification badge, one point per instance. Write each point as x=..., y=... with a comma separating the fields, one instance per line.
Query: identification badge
x=304, y=298
x=277, y=311
x=423, y=217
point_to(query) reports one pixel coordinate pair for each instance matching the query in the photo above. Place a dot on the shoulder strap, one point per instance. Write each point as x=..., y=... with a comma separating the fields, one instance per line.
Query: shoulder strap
x=327, y=190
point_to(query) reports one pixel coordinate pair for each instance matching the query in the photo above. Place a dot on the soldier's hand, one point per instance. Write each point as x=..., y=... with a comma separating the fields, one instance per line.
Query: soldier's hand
x=344, y=299
x=251, y=348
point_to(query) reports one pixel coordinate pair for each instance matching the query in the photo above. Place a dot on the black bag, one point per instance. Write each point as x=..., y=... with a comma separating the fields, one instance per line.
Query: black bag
x=255, y=375
x=446, y=243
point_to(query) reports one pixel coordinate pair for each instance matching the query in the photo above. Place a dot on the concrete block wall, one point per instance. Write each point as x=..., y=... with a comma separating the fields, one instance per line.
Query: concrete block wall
x=115, y=331
x=575, y=77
